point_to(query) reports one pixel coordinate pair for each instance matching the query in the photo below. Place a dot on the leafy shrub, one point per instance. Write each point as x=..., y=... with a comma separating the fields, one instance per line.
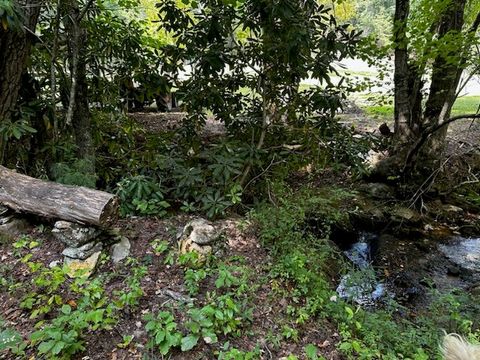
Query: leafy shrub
x=141, y=195
x=11, y=340
x=63, y=335
x=236, y=354
x=80, y=172
x=163, y=331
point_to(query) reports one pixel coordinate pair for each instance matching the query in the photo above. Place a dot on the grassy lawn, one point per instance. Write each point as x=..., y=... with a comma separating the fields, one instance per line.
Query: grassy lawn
x=463, y=105
x=466, y=105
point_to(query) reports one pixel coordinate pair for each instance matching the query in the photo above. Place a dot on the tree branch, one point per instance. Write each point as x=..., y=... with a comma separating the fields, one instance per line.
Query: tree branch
x=428, y=132
x=84, y=10
x=475, y=24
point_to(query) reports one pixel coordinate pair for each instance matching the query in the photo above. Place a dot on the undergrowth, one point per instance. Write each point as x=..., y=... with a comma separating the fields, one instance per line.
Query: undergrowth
x=215, y=314
x=304, y=261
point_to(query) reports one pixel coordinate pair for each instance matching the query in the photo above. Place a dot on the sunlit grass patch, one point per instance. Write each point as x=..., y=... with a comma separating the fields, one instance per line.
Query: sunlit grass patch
x=463, y=105
x=466, y=105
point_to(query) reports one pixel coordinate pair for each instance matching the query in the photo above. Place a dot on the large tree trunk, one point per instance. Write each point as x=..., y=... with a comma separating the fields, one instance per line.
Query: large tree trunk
x=403, y=111
x=78, y=113
x=411, y=123
x=52, y=200
x=15, y=47
x=445, y=79
x=405, y=106
x=81, y=119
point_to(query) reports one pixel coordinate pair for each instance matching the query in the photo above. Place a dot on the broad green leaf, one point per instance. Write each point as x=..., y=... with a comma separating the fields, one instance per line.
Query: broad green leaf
x=188, y=342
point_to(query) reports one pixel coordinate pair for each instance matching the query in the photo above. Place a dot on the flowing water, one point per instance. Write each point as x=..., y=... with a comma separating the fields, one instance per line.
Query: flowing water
x=409, y=267
x=361, y=285
x=463, y=252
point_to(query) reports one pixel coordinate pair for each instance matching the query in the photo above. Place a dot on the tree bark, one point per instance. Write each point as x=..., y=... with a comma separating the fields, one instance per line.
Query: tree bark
x=15, y=47
x=52, y=200
x=402, y=104
x=78, y=112
x=411, y=123
x=446, y=74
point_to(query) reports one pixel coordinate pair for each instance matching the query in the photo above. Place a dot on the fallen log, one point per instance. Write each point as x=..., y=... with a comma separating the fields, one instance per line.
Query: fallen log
x=53, y=200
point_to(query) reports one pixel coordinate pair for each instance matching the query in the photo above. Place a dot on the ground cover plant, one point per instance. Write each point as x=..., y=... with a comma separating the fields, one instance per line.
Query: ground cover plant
x=221, y=314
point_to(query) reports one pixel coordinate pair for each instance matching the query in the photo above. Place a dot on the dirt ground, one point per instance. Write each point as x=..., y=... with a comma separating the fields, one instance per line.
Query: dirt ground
x=268, y=316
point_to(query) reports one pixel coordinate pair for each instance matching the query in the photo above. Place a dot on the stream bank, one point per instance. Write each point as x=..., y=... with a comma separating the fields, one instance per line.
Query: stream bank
x=397, y=253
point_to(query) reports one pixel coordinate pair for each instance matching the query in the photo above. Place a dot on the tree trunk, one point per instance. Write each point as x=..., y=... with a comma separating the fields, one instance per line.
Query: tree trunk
x=78, y=112
x=445, y=79
x=52, y=200
x=15, y=47
x=411, y=123
x=403, y=111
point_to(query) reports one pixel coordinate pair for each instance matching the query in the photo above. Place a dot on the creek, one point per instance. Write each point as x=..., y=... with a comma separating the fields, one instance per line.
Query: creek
x=385, y=267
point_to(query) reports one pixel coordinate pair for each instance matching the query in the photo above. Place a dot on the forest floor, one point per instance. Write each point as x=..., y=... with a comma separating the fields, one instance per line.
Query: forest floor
x=265, y=330
x=240, y=283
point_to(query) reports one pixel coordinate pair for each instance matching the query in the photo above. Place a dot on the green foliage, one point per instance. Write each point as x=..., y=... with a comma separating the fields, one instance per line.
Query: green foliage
x=80, y=172
x=226, y=278
x=248, y=59
x=199, y=326
x=11, y=340
x=190, y=259
x=89, y=308
x=285, y=42
x=290, y=333
x=454, y=47
x=133, y=294
x=46, y=283
x=15, y=130
x=365, y=334
x=207, y=181
x=11, y=16
x=374, y=18
x=141, y=195
x=235, y=354
x=159, y=246
x=162, y=330
x=64, y=334
x=126, y=341
x=193, y=279
x=221, y=315
x=312, y=352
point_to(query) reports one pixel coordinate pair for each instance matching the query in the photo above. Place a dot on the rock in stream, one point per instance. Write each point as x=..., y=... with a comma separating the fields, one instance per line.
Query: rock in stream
x=464, y=253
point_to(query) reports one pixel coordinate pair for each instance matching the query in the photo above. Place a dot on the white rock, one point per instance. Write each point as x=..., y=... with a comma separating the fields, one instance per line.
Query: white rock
x=120, y=250
x=199, y=231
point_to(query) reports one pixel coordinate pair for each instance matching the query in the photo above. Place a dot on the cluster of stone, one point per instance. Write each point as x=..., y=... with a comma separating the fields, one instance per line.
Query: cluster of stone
x=11, y=225
x=84, y=245
x=197, y=235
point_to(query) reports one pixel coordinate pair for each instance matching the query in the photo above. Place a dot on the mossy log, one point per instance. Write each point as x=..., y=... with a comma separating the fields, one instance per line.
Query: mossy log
x=53, y=200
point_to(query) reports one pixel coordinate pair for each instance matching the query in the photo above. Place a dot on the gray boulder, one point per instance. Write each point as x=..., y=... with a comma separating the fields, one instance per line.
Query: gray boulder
x=13, y=227
x=74, y=235
x=379, y=191
x=120, y=250
x=84, y=251
x=198, y=231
